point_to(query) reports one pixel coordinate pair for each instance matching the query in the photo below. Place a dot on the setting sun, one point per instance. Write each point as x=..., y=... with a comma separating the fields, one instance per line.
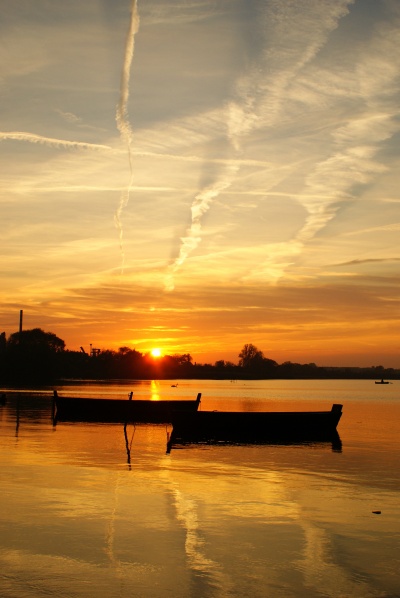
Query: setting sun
x=156, y=352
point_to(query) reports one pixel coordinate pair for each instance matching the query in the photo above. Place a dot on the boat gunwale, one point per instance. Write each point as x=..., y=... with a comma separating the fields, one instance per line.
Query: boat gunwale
x=233, y=426
x=91, y=409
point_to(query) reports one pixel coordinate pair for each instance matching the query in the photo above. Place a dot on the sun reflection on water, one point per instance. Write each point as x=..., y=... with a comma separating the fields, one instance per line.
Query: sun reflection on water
x=155, y=390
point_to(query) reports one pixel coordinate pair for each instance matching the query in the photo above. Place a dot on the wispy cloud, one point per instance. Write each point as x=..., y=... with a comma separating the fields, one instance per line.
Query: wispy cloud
x=353, y=141
x=258, y=100
x=69, y=116
x=369, y=261
x=180, y=13
x=392, y=227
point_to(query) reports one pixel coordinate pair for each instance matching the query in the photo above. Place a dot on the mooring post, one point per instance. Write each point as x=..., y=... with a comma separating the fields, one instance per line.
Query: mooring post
x=54, y=407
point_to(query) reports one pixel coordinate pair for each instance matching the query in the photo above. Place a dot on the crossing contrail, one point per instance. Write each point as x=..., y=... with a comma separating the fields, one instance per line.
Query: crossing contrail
x=122, y=117
x=33, y=138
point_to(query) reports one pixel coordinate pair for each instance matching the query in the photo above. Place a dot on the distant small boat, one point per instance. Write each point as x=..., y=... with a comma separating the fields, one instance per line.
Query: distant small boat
x=254, y=426
x=382, y=381
x=120, y=410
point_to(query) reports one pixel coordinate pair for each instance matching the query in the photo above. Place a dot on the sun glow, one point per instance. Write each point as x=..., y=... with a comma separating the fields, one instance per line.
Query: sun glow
x=155, y=352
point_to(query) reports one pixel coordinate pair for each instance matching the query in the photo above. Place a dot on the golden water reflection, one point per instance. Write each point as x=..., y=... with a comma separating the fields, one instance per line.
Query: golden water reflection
x=155, y=390
x=76, y=518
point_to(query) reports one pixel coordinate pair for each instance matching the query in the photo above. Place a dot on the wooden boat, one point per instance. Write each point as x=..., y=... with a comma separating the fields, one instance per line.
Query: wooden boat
x=255, y=426
x=120, y=410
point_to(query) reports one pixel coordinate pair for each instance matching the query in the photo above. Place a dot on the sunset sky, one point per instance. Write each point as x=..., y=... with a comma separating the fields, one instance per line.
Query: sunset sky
x=197, y=175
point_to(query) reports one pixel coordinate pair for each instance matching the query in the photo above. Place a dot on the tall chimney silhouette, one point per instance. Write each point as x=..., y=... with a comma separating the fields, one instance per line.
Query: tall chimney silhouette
x=21, y=311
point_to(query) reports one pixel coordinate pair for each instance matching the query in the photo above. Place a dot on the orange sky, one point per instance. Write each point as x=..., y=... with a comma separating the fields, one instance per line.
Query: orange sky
x=202, y=175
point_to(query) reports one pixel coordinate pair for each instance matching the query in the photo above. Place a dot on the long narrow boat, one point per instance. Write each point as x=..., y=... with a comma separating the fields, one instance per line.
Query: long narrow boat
x=255, y=426
x=120, y=410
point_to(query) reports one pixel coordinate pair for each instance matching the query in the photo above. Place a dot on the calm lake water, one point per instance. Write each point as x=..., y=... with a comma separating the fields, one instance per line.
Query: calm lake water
x=88, y=511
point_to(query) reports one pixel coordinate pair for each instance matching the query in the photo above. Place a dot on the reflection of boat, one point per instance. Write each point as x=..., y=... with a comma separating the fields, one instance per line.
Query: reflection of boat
x=381, y=381
x=255, y=426
x=120, y=410
x=332, y=439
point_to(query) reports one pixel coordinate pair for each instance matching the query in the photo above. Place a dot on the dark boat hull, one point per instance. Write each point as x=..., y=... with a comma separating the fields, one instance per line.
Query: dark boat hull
x=120, y=410
x=222, y=426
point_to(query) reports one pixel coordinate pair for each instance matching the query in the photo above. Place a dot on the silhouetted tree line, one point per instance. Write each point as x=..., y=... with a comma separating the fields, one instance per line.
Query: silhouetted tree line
x=34, y=356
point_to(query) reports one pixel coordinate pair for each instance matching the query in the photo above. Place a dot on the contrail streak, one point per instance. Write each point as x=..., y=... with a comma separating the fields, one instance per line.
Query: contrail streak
x=203, y=159
x=200, y=206
x=122, y=118
x=33, y=138
x=235, y=123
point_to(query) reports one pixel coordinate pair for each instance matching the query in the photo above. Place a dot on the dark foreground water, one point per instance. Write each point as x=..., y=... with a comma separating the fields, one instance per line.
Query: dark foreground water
x=89, y=511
